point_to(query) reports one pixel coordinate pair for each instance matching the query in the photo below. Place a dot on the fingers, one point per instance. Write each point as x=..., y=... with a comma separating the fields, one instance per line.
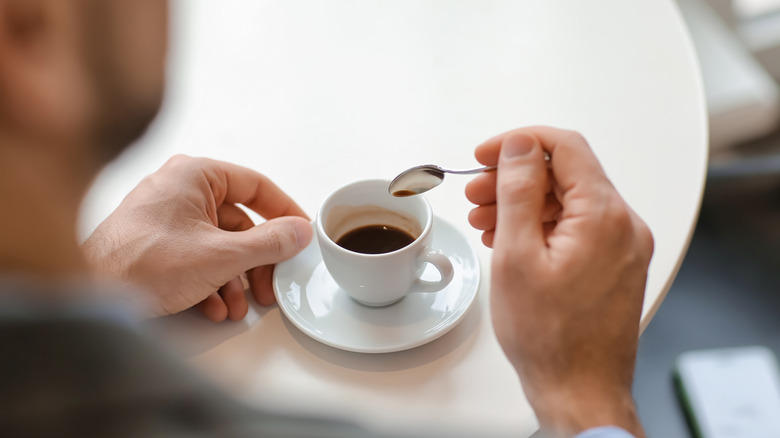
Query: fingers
x=487, y=238
x=255, y=249
x=552, y=208
x=228, y=303
x=575, y=175
x=239, y=185
x=231, y=217
x=261, y=284
x=571, y=157
x=573, y=160
x=234, y=297
x=264, y=245
x=273, y=241
x=484, y=217
x=521, y=191
x=487, y=152
x=269, y=243
x=481, y=189
x=233, y=184
x=213, y=308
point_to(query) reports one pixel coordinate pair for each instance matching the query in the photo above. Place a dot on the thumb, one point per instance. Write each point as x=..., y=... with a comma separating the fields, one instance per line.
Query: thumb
x=520, y=192
x=274, y=241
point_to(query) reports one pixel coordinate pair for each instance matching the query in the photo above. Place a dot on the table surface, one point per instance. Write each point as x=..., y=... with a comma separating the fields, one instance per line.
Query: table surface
x=319, y=94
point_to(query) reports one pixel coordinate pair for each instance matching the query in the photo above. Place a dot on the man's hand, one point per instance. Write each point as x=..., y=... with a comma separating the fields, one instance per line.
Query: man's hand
x=181, y=236
x=568, y=276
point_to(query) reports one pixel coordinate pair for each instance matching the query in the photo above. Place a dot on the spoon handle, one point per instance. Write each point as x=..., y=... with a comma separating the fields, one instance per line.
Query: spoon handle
x=470, y=171
x=487, y=168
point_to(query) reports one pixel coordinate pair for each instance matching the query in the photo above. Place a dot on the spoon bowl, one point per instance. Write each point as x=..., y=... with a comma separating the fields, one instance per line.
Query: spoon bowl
x=420, y=179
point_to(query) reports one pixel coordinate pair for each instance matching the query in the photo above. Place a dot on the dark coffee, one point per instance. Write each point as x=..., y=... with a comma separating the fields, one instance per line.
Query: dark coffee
x=404, y=193
x=375, y=239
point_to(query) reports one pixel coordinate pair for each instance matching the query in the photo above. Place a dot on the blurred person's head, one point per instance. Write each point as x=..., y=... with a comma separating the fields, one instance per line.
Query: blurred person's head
x=79, y=81
x=82, y=77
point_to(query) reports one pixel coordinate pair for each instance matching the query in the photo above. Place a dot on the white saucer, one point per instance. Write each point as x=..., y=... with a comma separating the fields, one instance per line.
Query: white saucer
x=313, y=301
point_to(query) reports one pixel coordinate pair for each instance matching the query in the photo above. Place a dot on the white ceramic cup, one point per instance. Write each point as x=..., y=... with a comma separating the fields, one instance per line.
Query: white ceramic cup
x=379, y=279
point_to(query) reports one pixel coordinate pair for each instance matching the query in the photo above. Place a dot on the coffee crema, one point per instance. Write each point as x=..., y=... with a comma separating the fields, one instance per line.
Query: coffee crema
x=375, y=239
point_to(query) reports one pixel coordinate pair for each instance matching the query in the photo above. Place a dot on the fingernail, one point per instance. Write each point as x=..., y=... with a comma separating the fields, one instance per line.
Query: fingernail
x=517, y=145
x=303, y=233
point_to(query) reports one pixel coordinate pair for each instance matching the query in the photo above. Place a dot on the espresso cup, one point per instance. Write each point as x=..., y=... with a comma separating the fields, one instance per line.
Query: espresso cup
x=363, y=216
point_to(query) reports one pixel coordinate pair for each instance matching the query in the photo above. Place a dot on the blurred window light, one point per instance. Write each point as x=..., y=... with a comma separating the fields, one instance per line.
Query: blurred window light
x=747, y=9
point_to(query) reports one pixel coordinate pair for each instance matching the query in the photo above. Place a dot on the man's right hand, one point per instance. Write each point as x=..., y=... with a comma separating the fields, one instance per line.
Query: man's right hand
x=568, y=276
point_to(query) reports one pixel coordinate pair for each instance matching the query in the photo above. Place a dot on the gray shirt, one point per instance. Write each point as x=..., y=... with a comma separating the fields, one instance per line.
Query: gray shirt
x=81, y=367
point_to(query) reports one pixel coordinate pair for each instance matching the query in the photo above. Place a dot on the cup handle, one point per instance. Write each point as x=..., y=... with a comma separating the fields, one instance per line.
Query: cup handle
x=442, y=264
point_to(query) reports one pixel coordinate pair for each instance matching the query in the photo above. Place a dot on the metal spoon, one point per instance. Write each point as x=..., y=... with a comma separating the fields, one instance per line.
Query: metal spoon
x=420, y=179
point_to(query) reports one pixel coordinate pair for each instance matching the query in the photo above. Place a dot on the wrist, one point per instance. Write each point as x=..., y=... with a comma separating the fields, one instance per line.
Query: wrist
x=567, y=412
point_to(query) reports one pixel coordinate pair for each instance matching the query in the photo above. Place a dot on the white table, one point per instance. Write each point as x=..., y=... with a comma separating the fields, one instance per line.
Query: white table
x=319, y=94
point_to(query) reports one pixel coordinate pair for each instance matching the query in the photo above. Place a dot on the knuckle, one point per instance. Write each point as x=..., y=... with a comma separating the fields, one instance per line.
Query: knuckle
x=182, y=163
x=645, y=238
x=575, y=136
x=631, y=235
x=179, y=160
x=273, y=243
x=617, y=214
